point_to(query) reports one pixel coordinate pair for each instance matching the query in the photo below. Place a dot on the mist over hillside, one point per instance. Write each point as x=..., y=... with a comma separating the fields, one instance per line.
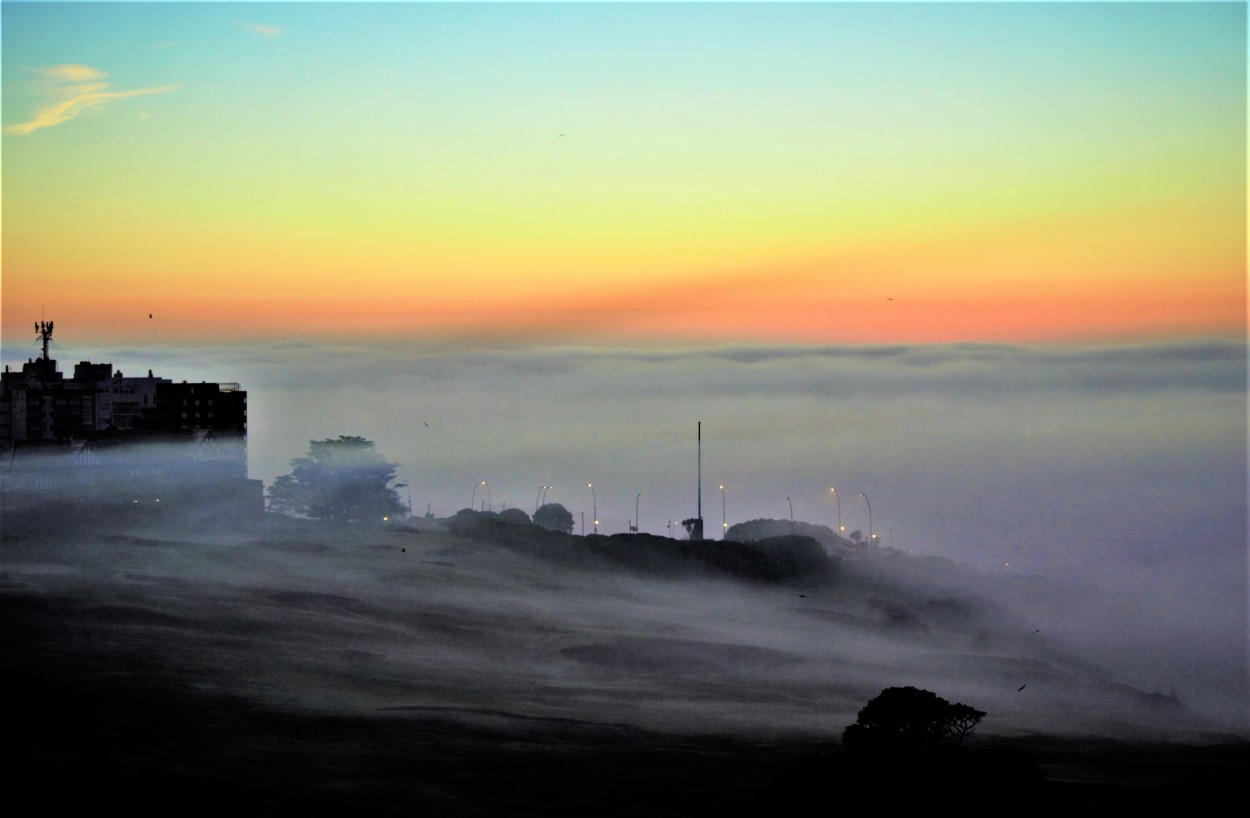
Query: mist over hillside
x=457, y=644
x=1115, y=470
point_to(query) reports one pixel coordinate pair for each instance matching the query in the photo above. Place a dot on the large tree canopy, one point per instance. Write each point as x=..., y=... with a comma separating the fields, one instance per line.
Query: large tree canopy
x=555, y=517
x=906, y=719
x=340, y=481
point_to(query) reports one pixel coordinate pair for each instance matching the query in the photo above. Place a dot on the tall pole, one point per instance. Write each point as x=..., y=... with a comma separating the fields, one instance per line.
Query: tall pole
x=473, y=497
x=538, y=499
x=637, y=525
x=838, y=497
x=791, y=502
x=594, y=506
x=866, y=500
x=490, y=505
x=699, y=505
x=724, y=520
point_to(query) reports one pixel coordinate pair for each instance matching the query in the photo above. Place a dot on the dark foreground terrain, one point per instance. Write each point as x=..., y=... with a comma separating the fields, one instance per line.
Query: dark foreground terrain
x=404, y=673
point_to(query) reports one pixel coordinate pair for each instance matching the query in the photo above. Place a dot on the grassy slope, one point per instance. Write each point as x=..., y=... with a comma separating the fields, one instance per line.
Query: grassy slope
x=466, y=676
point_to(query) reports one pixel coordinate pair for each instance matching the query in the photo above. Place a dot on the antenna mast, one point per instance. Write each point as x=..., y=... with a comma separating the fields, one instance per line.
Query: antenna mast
x=44, y=330
x=699, y=516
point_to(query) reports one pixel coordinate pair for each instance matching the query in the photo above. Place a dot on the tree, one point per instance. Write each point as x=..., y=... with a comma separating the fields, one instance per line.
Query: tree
x=340, y=481
x=856, y=535
x=514, y=515
x=555, y=517
x=909, y=720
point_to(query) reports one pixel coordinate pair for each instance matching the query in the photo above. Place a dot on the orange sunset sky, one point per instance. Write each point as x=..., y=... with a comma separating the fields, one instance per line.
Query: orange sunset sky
x=637, y=173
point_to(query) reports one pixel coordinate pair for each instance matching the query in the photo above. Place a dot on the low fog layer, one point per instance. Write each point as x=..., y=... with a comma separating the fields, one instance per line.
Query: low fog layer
x=418, y=623
x=1119, y=469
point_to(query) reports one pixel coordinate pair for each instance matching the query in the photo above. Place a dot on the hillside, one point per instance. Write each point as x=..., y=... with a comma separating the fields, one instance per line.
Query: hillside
x=345, y=664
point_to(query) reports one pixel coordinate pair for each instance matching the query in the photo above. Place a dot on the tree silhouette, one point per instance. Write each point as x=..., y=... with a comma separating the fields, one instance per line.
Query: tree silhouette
x=909, y=720
x=340, y=481
x=514, y=515
x=555, y=517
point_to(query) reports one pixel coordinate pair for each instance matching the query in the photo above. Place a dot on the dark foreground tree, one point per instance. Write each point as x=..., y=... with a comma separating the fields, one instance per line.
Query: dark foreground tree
x=909, y=720
x=555, y=517
x=340, y=481
x=514, y=515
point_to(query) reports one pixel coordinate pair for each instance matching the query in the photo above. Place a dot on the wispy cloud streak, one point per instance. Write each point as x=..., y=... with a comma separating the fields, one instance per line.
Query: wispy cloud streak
x=77, y=89
x=265, y=30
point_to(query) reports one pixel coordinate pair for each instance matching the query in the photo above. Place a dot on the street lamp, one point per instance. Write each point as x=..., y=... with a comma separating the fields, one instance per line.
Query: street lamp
x=538, y=499
x=637, y=526
x=838, y=497
x=594, y=505
x=871, y=536
x=788, y=500
x=724, y=522
x=489, y=504
x=473, y=497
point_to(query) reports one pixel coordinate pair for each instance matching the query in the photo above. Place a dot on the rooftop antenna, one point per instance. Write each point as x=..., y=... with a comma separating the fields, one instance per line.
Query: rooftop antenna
x=44, y=330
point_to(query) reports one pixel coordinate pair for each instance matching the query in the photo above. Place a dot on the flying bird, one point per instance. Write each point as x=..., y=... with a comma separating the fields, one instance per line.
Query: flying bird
x=1022, y=687
x=149, y=315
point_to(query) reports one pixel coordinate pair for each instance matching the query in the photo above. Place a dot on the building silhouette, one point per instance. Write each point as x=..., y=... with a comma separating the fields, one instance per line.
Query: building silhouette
x=102, y=440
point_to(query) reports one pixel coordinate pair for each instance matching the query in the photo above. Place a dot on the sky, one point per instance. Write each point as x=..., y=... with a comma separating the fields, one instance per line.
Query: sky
x=625, y=173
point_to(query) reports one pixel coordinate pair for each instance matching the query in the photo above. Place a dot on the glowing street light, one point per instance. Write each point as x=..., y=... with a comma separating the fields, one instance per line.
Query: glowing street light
x=724, y=520
x=538, y=499
x=473, y=497
x=871, y=537
x=594, y=505
x=838, y=497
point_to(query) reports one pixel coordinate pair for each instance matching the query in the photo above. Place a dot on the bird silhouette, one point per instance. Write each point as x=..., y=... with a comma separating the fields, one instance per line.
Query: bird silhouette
x=1022, y=687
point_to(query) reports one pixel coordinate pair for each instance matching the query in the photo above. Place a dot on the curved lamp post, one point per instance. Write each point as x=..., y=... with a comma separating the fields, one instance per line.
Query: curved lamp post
x=637, y=525
x=788, y=500
x=538, y=499
x=724, y=520
x=473, y=497
x=838, y=497
x=594, y=505
x=489, y=504
x=871, y=536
